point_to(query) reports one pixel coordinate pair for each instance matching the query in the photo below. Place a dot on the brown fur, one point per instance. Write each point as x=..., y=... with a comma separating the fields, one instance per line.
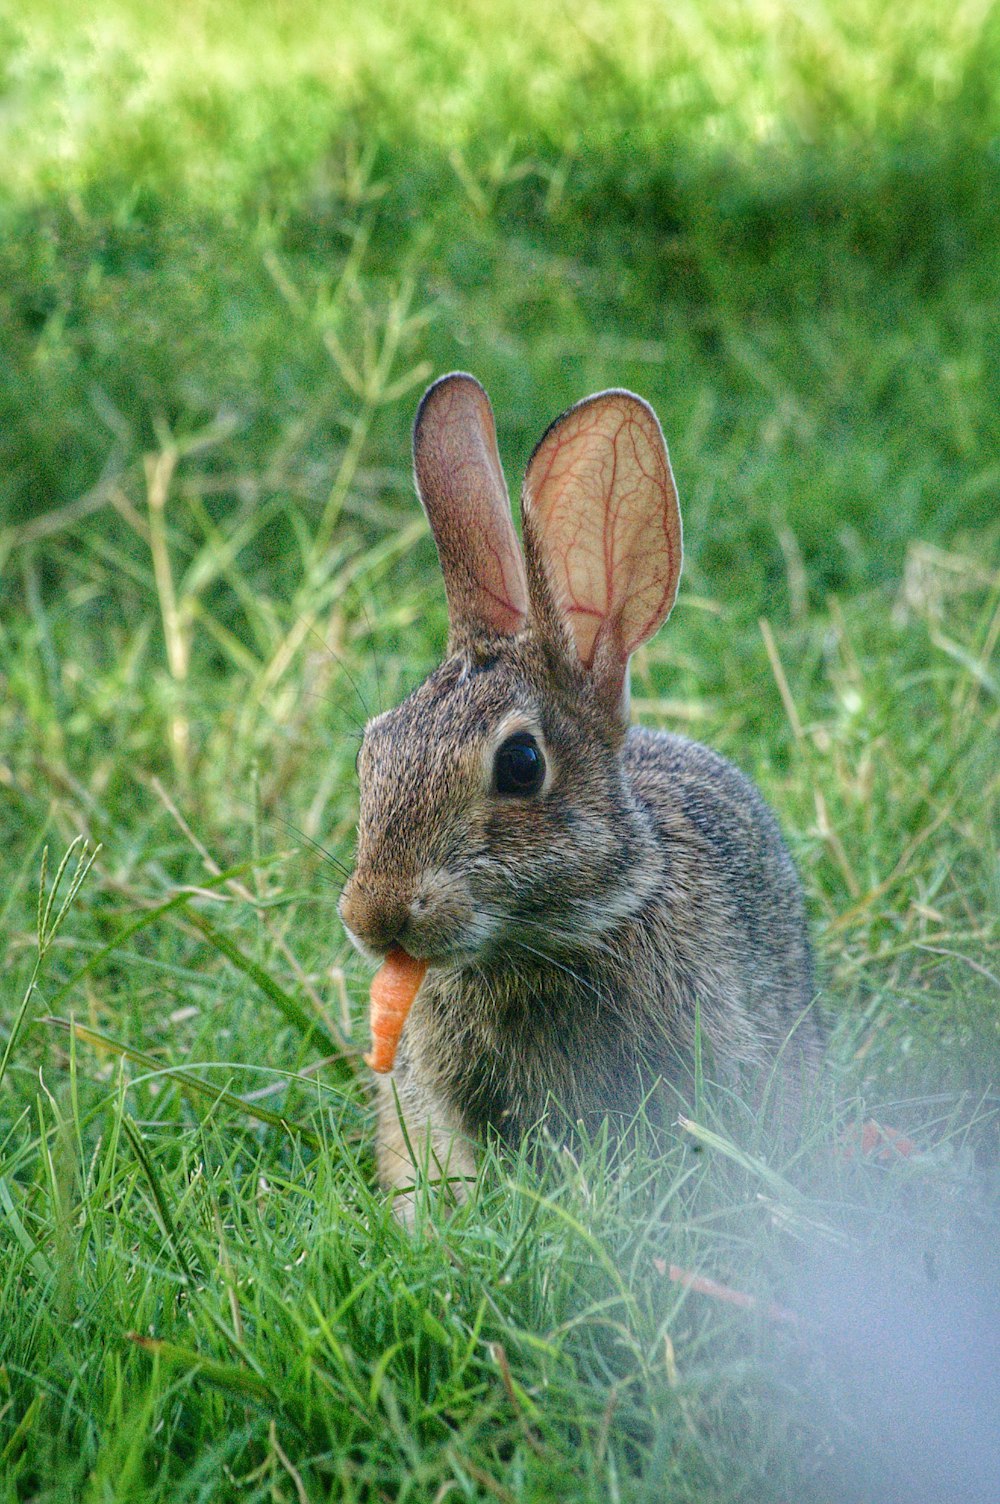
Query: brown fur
x=574, y=937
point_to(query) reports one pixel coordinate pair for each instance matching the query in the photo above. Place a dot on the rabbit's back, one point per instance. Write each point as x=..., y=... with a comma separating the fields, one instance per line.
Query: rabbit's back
x=731, y=896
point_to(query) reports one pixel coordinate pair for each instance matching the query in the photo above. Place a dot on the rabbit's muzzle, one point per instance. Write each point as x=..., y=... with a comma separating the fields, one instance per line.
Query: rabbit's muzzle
x=375, y=920
x=433, y=916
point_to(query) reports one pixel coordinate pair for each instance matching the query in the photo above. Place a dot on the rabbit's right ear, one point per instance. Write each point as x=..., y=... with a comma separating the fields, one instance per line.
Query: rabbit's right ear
x=463, y=492
x=602, y=533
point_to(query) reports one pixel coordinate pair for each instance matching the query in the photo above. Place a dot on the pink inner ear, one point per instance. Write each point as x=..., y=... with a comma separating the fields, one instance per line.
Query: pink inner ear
x=602, y=504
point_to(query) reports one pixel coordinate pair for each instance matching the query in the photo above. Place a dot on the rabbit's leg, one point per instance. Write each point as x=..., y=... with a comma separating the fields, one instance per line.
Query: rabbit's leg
x=418, y=1136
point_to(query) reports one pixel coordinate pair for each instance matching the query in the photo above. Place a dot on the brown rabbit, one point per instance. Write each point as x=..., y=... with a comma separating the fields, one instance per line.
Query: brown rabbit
x=584, y=890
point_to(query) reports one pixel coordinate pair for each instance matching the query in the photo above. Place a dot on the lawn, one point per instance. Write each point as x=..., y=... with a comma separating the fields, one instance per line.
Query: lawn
x=235, y=244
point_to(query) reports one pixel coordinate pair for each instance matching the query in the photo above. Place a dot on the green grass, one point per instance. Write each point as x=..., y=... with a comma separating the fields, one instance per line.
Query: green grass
x=233, y=247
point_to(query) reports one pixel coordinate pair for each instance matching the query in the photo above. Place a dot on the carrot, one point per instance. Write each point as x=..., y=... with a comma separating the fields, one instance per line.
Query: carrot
x=394, y=987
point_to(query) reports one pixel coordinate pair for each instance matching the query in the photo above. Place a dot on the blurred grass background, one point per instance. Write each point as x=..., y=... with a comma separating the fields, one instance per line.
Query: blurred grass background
x=235, y=242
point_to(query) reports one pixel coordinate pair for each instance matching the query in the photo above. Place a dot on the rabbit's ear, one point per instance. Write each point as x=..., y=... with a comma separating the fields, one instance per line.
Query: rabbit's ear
x=462, y=488
x=602, y=532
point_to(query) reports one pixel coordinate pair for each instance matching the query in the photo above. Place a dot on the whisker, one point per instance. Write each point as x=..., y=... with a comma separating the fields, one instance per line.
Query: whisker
x=607, y=998
x=551, y=961
x=571, y=939
x=378, y=676
x=334, y=861
x=343, y=667
x=314, y=694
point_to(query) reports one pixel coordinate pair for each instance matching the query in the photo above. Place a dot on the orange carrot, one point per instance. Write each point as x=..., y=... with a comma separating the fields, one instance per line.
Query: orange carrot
x=394, y=987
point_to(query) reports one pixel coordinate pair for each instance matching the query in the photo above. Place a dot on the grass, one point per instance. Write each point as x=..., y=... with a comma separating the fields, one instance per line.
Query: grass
x=234, y=247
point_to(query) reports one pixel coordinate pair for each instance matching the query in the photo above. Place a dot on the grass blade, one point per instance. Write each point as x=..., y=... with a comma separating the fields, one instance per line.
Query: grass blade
x=164, y=1215
x=177, y=901
x=291, y=1010
x=185, y=1079
x=228, y=1376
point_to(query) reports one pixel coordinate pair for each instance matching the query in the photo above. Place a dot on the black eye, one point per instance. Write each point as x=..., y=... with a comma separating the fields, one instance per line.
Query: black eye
x=519, y=767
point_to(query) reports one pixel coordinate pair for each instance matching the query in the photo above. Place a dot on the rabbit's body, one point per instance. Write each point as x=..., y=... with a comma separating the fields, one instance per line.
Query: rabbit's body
x=581, y=927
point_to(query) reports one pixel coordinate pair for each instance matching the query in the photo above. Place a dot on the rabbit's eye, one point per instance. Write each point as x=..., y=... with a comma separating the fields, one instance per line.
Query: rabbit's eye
x=519, y=767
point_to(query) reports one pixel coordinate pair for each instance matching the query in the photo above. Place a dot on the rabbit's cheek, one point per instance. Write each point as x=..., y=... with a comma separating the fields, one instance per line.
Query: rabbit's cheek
x=444, y=916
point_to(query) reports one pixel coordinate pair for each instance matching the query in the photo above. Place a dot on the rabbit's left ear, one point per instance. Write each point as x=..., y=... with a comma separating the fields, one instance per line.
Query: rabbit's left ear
x=602, y=532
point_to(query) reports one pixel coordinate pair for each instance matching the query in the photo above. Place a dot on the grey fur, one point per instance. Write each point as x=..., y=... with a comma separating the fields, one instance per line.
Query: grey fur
x=575, y=936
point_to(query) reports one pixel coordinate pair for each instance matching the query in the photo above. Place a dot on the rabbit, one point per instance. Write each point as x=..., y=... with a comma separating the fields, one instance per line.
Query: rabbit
x=589, y=894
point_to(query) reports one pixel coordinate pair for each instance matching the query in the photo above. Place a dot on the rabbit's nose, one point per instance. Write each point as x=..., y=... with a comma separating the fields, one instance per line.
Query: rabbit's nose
x=376, y=918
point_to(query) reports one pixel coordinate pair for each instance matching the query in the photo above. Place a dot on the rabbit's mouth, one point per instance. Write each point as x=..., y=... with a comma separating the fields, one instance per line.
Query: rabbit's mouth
x=436, y=921
x=452, y=954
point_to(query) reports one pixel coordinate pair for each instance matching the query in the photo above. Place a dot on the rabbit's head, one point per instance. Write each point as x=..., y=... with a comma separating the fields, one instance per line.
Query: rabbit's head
x=494, y=810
